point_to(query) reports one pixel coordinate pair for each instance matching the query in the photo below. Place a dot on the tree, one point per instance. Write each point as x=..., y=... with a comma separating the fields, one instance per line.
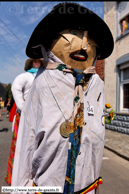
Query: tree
x=8, y=92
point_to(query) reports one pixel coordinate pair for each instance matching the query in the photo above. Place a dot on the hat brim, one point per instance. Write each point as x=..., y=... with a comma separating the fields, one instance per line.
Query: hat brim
x=61, y=18
x=28, y=63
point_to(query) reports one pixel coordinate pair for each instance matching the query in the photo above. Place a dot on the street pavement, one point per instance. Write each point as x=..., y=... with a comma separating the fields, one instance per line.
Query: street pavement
x=115, y=174
x=118, y=143
x=5, y=142
x=114, y=169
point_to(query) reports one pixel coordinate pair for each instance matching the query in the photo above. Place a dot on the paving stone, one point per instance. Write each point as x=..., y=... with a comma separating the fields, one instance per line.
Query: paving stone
x=118, y=142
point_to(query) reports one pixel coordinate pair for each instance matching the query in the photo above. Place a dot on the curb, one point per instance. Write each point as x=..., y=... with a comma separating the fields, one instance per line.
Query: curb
x=125, y=157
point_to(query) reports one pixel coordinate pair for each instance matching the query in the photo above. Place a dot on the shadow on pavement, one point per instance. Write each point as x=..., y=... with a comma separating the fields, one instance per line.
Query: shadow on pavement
x=1, y=120
x=4, y=129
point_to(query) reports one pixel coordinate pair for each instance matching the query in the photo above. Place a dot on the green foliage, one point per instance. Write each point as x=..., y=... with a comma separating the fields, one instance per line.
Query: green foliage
x=8, y=91
x=109, y=116
x=76, y=99
x=108, y=120
x=61, y=67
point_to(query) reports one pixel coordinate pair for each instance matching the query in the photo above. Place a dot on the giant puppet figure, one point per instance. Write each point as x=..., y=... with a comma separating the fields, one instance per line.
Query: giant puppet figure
x=61, y=133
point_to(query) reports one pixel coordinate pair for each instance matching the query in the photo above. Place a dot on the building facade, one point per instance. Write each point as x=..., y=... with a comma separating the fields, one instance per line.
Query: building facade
x=99, y=66
x=116, y=73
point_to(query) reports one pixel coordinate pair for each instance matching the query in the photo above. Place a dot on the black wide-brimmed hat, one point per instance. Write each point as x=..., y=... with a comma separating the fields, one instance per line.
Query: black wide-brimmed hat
x=70, y=16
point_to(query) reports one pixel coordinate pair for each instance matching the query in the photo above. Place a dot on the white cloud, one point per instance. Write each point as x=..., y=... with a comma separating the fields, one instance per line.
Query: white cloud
x=10, y=37
x=81, y=3
x=38, y=4
x=11, y=69
x=34, y=13
x=6, y=21
x=12, y=42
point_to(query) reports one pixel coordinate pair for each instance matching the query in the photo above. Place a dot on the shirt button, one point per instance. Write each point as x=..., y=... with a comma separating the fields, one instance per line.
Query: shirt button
x=84, y=122
x=64, y=72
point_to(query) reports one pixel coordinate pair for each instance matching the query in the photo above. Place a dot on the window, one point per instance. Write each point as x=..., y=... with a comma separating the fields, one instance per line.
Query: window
x=126, y=96
x=122, y=13
x=124, y=101
x=124, y=25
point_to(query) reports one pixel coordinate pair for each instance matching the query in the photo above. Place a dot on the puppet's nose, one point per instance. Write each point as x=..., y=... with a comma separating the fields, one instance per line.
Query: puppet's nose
x=84, y=44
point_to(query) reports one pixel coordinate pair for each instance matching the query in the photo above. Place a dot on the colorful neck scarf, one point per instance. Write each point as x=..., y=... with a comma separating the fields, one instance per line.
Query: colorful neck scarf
x=76, y=123
x=33, y=70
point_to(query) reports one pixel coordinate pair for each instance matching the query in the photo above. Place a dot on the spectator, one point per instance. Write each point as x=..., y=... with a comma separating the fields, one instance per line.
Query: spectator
x=8, y=107
x=20, y=89
x=125, y=24
x=0, y=106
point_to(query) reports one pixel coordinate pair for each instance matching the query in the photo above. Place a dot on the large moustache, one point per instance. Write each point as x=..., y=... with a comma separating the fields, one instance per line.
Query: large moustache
x=79, y=55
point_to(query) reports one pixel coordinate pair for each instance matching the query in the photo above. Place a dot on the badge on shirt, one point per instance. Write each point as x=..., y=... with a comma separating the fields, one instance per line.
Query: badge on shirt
x=103, y=120
x=69, y=145
x=90, y=110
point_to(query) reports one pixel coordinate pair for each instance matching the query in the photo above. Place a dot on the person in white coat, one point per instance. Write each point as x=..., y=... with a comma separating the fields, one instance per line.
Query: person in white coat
x=23, y=82
x=20, y=88
x=61, y=133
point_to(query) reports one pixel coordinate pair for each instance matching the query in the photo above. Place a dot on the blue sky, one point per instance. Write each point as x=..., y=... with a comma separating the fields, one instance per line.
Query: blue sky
x=21, y=18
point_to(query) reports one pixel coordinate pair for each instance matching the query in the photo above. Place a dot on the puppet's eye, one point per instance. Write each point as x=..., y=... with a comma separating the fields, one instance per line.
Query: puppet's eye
x=75, y=32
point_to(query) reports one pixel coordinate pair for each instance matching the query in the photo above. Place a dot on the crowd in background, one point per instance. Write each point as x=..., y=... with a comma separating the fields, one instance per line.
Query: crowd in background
x=4, y=105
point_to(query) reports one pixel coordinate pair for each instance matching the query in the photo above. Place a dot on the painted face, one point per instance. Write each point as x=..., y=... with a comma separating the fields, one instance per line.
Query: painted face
x=36, y=63
x=74, y=48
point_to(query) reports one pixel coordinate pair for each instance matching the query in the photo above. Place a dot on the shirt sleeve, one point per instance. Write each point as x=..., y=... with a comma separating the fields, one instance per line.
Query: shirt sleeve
x=17, y=90
x=26, y=145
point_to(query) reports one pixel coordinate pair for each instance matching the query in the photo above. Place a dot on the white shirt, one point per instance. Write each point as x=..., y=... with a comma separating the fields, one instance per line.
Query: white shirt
x=41, y=152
